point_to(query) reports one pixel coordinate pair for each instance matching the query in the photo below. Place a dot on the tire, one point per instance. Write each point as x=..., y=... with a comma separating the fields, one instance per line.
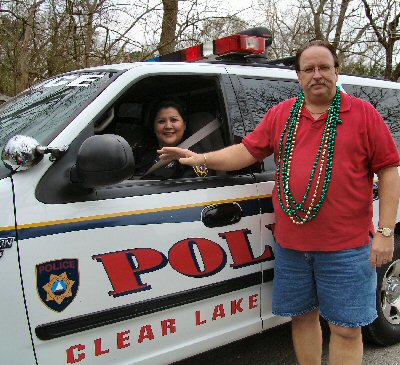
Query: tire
x=385, y=330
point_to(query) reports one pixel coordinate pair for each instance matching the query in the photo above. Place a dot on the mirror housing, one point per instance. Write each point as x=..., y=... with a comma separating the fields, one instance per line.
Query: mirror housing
x=21, y=153
x=103, y=160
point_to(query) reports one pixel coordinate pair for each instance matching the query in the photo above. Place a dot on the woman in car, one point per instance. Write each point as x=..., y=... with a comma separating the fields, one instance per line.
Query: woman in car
x=170, y=129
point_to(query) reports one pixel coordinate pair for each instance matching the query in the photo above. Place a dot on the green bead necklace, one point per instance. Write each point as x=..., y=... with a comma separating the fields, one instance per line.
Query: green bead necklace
x=297, y=211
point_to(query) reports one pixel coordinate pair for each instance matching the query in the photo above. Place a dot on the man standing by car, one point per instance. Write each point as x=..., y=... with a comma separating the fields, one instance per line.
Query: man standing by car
x=327, y=146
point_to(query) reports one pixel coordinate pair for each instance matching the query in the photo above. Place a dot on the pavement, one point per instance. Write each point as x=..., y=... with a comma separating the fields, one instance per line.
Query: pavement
x=274, y=347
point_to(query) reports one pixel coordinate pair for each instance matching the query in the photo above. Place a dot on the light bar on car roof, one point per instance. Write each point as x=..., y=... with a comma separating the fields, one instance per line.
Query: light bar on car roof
x=238, y=44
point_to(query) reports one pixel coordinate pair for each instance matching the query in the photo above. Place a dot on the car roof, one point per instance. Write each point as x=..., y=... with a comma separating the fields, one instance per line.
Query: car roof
x=235, y=68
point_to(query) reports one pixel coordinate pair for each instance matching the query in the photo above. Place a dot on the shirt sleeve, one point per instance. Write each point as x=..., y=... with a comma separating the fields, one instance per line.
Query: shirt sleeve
x=259, y=142
x=382, y=147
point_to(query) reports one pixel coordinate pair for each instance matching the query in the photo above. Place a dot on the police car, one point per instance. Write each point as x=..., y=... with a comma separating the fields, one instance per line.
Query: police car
x=100, y=266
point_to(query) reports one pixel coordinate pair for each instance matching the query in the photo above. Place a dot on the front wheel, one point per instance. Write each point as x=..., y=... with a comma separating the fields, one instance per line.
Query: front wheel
x=385, y=330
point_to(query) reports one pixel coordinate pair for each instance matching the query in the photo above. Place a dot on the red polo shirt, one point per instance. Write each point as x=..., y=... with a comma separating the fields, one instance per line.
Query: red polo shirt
x=364, y=145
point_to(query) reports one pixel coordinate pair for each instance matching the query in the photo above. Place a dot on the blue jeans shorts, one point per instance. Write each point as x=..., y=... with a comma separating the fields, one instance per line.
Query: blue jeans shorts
x=342, y=284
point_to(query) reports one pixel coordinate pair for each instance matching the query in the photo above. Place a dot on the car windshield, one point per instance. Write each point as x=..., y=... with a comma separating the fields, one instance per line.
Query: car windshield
x=47, y=108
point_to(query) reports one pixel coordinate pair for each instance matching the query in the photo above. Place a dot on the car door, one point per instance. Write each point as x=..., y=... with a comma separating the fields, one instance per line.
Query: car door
x=138, y=272
x=13, y=312
x=259, y=93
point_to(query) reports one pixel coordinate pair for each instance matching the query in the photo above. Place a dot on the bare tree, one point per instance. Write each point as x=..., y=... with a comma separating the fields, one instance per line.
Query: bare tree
x=289, y=27
x=41, y=38
x=116, y=39
x=21, y=30
x=169, y=23
x=195, y=21
x=384, y=17
x=342, y=23
x=218, y=27
x=339, y=22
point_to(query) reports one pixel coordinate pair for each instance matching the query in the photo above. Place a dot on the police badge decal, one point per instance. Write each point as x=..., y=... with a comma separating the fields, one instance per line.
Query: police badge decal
x=200, y=170
x=57, y=283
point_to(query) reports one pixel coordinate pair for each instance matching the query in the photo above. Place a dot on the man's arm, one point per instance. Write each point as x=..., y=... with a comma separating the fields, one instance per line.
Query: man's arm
x=389, y=194
x=231, y=158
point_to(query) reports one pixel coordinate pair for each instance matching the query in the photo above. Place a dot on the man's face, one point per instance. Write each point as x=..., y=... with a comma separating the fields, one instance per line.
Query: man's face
x=317, y=74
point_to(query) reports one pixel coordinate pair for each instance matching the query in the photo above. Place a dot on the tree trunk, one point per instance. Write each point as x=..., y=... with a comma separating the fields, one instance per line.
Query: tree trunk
x=339, y=26
x=22, y=81
x=170, y=17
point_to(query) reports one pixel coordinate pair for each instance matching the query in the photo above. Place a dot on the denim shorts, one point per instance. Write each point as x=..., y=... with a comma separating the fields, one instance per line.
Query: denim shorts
x=342, y=284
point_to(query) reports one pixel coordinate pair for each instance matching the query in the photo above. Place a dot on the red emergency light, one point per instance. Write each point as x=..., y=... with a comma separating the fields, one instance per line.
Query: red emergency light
x=192, y=54
x=238, y=43
x=250, y=42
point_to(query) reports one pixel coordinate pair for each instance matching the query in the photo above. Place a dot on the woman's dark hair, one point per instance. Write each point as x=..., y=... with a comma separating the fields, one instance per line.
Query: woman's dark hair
x=163, y=104
x=316, y=43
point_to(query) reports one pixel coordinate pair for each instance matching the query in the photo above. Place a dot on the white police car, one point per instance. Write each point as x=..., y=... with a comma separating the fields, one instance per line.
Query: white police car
x=99, y=266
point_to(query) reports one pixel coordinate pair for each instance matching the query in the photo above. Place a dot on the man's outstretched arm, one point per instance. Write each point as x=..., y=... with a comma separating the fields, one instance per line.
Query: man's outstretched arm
x=231, y=158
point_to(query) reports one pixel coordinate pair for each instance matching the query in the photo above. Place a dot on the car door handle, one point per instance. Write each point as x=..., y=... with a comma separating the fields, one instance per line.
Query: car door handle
x=219, y=215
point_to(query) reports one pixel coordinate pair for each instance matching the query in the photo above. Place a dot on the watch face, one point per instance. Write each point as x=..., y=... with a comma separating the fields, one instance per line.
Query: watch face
x=387, y=232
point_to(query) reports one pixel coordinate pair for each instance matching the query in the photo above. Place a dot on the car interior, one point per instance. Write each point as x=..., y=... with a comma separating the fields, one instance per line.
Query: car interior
x=129, y=116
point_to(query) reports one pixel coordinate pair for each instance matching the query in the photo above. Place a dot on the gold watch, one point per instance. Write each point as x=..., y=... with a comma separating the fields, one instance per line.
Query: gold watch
x=386, y=232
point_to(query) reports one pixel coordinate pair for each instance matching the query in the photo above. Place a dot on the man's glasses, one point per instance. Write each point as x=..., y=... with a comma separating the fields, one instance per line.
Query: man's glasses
x=323, y=70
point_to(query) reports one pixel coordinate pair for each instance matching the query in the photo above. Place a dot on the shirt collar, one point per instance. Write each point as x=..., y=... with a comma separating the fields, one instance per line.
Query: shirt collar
x=345, y=102
x=345, y=105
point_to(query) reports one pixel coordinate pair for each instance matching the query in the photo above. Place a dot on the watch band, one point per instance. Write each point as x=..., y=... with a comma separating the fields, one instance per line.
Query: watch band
x=385, y=231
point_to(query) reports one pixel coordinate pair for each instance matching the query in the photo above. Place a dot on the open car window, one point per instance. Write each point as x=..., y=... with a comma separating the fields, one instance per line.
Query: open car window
x=130, y=117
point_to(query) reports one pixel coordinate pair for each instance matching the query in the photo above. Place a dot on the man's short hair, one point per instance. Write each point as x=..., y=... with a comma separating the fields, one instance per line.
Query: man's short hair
x=316, y=43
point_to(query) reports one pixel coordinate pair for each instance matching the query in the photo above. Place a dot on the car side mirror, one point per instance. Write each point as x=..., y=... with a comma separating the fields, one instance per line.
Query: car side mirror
x=22, y=152
x=103, y=160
